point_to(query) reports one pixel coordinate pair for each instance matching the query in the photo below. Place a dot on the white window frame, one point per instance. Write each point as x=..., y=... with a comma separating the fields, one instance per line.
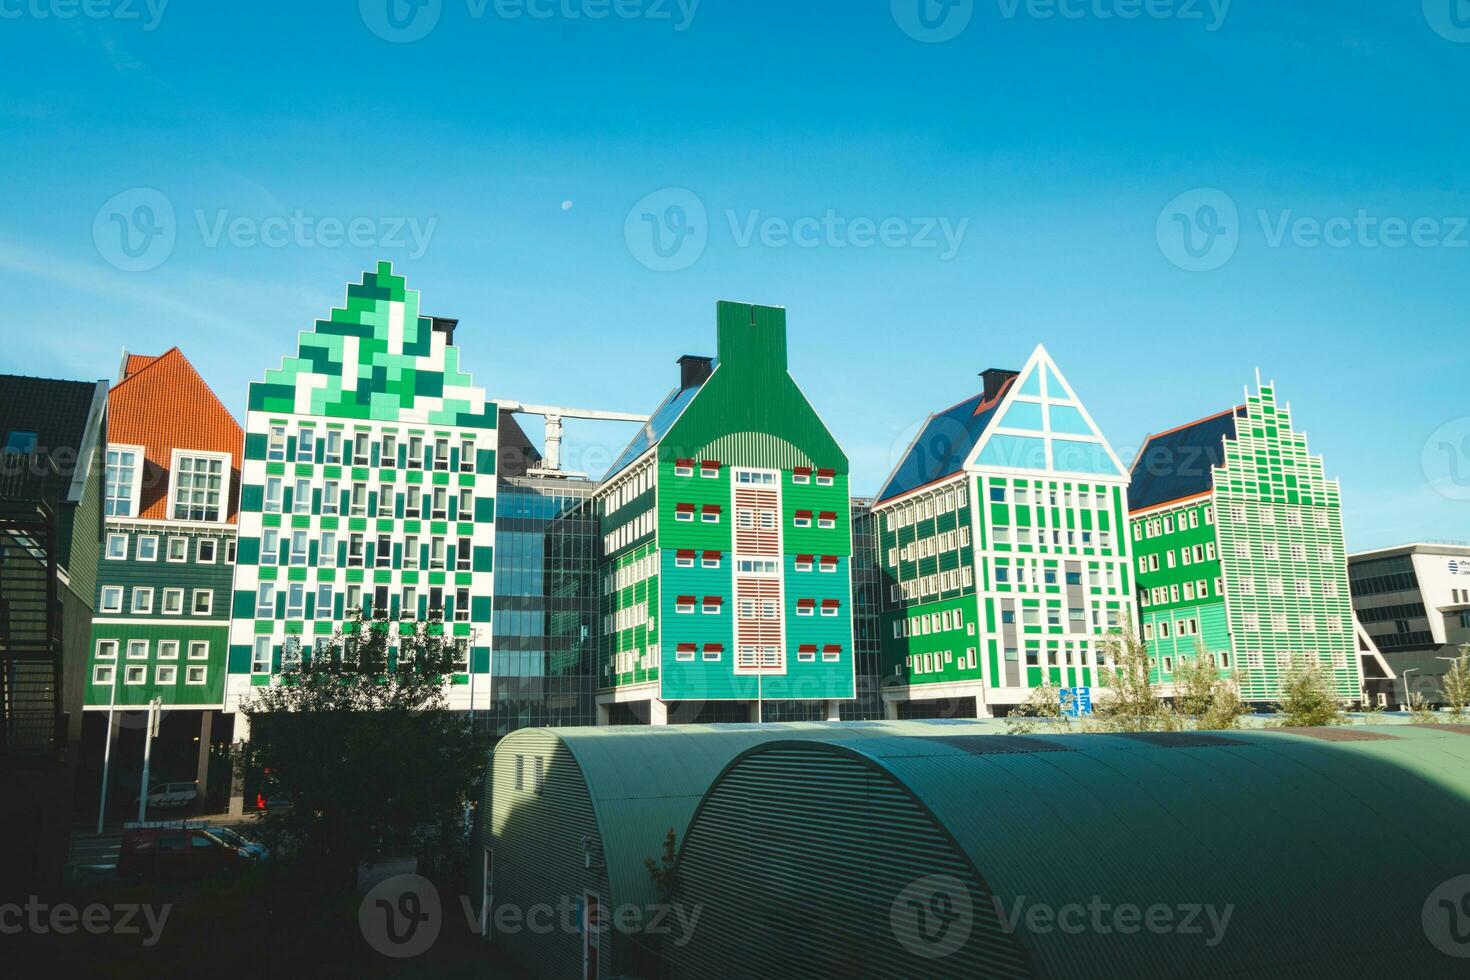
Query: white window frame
x=199, y=551
x=168, y=549
x=103, y=673
x=104, y=605
x=133, y=605
x=226, y=462
x=208, y=596
x=130, y=671
x=191, y=670
x=152, y=543
x=166, y=674
x=112, y=538
x=135, y=491
x=199, y=645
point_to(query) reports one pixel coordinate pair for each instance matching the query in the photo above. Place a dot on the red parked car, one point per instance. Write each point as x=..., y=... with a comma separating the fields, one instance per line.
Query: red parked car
x=178, y=852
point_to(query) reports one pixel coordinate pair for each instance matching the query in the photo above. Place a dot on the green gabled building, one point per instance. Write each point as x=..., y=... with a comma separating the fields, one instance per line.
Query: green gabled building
x=368, y=483
x=167, y=566
x=1237, y=534
x=1000, y=535
x=726, y=544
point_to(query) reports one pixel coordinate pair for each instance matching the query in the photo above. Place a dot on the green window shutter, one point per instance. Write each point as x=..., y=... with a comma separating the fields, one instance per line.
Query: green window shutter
x=252, y=498
x=255, y=445
x=480, y=609
x=484, y=510
x=485, y=461
x=247, y=551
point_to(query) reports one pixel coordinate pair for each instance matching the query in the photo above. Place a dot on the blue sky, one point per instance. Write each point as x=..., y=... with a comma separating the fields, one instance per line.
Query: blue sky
x=505, y=162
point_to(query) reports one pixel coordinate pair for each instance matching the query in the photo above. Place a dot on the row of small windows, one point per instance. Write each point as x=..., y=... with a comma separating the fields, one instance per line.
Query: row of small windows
x=195, y=674
x=295, y=596
x=436, y=503
x=628, y=661
x=927, y=623
x=958, y=578
x=339, y=448
x=175, y=548
x=1077, y=618
x=1036, y=657
x=930, y=546
x=638, y=527
x=924, y=508
x=111, y=601
x=141, y=649
x=1156, y=526
x=929, y=663
x=1055, y=537
x=294, y=652
x=1281, y=623
x=630, y=617
x=1185, y=592
x=636, y=571
x=293, y=548
x=1187, y=555
x=1271, y=551
x=1066, y=497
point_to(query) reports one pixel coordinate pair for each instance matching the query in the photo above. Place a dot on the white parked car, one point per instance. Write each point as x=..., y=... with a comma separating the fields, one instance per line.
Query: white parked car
x=169, y=795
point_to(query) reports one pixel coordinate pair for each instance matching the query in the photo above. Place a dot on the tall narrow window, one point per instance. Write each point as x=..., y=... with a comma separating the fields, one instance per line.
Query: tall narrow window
x=121, y=481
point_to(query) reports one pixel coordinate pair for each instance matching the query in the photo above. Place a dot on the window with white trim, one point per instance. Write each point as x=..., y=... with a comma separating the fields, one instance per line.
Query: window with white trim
x=199, y=486
x=142, y=599
x=173, y=602
x=122, y=480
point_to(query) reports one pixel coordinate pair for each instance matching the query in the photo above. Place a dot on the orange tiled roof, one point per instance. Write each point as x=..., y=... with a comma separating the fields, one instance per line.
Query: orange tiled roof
x=162, y=404
x=136, y=363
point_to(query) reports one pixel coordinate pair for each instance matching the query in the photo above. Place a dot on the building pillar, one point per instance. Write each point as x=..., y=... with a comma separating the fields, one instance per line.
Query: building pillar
x=982, y=710
x=658, y=712
x=604, y=714
x=237, y=778
x=890, y=710
x=201, y=776
x=832, y=710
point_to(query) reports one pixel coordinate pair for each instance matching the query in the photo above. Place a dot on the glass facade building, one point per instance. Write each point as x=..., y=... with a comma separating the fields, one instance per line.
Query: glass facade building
x=542, y=669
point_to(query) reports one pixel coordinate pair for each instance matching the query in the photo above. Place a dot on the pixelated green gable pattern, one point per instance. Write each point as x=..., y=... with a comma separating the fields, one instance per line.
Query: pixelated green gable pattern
x=382, y=384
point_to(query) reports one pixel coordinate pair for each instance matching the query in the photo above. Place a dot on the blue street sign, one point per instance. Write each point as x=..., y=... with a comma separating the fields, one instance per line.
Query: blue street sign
x=1076, y=701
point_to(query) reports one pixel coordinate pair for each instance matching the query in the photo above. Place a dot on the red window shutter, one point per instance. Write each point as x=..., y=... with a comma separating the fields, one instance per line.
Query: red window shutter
x=686, y=647
x=826, y=471
x=829, y=559
x=685, y=553
x=683, y=461
x=806, y=602
x=685, y=600
x=808, y=648
x=710, y=464
x=832, y=648
x=688, y=507
x=713, y=647
x=804, y=513
x=802, y=470
x=805, y=558
x=712, y=508
x=710, y=555
x=828, y=515
x=713, y=600
x=831, y=603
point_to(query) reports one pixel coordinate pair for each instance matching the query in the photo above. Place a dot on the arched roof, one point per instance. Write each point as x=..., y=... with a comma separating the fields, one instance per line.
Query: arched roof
x=1325, y=843
x=644, y=780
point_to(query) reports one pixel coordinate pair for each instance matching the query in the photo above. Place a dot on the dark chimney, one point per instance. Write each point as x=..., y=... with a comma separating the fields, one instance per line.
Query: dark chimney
x=694, y=370
x=995, y=379
x=446, y=325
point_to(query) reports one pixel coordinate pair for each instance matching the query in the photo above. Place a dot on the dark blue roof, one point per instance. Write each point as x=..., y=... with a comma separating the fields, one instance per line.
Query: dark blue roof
x=1180, y=463
x=943, y=445
x=653, y=430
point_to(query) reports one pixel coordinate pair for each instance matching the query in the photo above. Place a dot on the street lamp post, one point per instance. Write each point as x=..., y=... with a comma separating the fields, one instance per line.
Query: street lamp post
x=107, y=746
x=1408, y=703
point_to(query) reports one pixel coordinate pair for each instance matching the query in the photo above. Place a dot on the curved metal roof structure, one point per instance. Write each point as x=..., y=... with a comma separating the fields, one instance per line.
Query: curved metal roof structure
x=605, y=800
x=1316, y=852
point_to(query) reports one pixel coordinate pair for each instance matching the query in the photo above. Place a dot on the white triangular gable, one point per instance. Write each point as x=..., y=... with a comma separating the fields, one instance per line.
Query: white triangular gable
x=1041, y=426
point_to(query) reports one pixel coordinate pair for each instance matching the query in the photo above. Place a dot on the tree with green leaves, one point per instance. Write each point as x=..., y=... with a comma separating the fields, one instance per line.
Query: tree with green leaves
x=1455, y=685
x=1210, y=702
x=1307, y=698
x=357, y=750
x=1132, y=702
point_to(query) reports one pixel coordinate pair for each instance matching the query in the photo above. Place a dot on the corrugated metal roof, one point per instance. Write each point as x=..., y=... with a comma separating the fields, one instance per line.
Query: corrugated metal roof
x=162, y=405
x=644, y=780
x=943, y=444
x=1325, y=852
x=1180, y=462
